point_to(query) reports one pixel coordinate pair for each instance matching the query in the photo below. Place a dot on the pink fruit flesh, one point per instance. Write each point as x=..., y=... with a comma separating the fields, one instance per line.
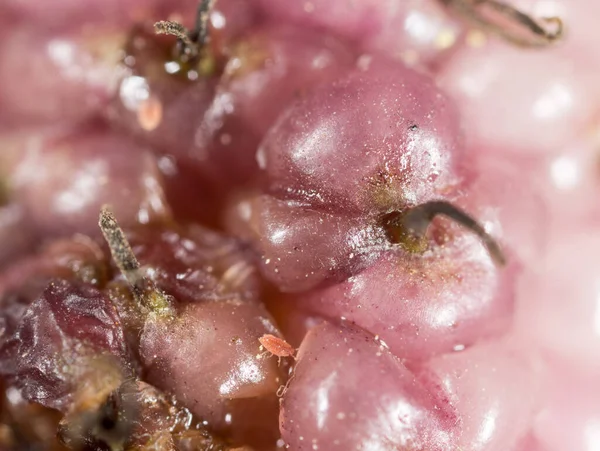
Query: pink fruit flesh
x=62, y=179
x=376, y=140
x=563, y=294
x=311, y=131
x=203, y=307
x=222, y=338
x=15, y=236
x=427, y=304
x=322, y=407
x=539, y=111
x=416, y=31
x=492, y=386
x=325, y=163
x=266, y=70
x=302, y=247
x=569, y=414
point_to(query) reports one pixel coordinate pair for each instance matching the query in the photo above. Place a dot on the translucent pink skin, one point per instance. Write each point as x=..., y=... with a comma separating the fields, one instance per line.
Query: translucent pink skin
x=348, y=392
x=418, y=31
x=207, y=357
x=80, y=66
x=510, y=204
x=179, y=99
x=231, y=18
x=272, y=66
x=216, y=123
x=570, y=184
x=569, y=420
x=63, y=179
x=302, y=247
x=267, y=69
x=206, y=354
x=562, y=294
x=64, y=12
x=570, y=414
x=530, y=443
x=493, y=387
x=424, y=305
x=15, y=234
x=543, y=106
x=378, y=140
x=354, y=143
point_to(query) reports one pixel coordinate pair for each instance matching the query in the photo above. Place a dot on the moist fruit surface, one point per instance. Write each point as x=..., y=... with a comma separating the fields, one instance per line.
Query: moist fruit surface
x=258, y=225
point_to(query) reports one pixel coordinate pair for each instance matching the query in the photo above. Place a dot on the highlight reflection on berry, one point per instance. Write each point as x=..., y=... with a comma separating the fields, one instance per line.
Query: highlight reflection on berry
x=252, y=225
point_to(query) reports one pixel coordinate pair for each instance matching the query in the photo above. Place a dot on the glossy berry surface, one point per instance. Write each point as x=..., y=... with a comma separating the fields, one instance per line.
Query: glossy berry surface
x=257, y=225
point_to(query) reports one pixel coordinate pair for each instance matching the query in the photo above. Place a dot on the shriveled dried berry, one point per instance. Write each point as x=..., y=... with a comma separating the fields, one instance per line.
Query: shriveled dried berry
x=200, y=322
x=69, y=334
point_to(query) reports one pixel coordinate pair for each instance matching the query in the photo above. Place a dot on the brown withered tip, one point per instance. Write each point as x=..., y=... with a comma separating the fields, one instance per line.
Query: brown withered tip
x=119, y=246
x=172, y=28
x=144, y=289
x=508, y=22
x=191, y=42
x=409, y=227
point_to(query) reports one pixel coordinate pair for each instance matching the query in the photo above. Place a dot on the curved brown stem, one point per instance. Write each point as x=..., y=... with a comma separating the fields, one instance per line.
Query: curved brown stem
x=508, y=22
x=409, y=227
x=192, y=42
x=172, y=28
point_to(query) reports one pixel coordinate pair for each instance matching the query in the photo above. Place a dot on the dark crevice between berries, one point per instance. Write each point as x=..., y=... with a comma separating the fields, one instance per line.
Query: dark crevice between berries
x=108, y=424
x=144, y=289
x=27, y=427
x=408, y=228
x=94, y=418
x=136, y=416
x=4, y=192
x=509, y=23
